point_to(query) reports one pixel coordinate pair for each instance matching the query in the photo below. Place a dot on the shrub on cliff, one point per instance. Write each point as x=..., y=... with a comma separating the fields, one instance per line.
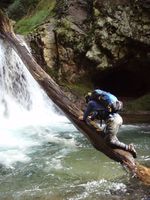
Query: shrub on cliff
x=19, y=8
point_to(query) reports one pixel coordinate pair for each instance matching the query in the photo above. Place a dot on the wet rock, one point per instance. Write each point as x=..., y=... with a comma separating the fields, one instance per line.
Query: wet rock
x=43, y=45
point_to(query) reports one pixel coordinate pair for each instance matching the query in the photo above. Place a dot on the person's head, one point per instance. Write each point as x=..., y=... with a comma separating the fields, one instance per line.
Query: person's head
x=88, y=97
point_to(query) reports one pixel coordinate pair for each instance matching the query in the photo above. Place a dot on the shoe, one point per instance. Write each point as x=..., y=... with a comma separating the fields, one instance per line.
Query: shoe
x=132, y=150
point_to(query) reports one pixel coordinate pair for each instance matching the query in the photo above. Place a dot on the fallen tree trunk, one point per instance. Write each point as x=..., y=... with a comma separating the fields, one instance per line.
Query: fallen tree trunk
x=61, y=100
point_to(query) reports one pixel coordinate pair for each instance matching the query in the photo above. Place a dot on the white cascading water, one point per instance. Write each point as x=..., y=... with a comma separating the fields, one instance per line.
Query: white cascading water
x=22, y=104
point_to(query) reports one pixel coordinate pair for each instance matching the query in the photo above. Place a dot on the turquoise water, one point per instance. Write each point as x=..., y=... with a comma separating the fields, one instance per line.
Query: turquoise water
x=43, y=157
x=57, y=162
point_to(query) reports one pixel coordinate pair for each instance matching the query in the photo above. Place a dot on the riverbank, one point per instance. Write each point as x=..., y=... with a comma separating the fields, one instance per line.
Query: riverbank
x=138, y=117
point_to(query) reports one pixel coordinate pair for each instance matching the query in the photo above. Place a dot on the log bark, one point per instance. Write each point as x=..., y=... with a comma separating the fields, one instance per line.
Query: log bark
x=60, y=99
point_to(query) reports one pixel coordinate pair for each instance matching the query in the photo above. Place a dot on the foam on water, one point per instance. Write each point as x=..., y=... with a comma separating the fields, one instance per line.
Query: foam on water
x=99, y=187
x=24, y=108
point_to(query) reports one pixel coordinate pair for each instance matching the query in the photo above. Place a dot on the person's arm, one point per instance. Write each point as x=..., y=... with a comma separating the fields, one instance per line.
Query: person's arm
x=88, y=110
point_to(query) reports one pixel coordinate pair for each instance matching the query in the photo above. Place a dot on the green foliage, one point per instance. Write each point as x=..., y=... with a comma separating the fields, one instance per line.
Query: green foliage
x=5, y=3
x=30, y=22
x=26, y=25
x=19, y=8
x=140, y=104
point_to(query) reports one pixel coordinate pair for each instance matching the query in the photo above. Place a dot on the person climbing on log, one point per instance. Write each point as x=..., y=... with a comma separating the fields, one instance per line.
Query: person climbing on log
x=105, y=106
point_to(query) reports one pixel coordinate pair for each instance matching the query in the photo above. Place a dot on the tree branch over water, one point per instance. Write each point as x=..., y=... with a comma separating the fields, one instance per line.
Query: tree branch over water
x=63, y=102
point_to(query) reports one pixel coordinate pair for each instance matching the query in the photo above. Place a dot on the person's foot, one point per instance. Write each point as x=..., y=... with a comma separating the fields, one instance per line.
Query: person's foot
x=132, y=150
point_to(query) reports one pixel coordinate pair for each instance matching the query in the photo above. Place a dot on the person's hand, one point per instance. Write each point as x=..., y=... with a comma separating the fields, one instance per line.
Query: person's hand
x=91, y=118
x=81, y=118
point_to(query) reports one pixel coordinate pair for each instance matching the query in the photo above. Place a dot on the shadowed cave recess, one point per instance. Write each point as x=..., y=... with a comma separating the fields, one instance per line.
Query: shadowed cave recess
x=129, y=78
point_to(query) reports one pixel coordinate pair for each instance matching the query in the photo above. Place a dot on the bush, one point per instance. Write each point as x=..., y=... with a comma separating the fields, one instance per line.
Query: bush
x=140, y=104
x=26, y=25
x=19, y=8
x=36, y=16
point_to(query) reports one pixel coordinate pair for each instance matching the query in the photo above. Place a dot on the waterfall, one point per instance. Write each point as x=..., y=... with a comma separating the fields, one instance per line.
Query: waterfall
x=20, y=95
x=24, y=107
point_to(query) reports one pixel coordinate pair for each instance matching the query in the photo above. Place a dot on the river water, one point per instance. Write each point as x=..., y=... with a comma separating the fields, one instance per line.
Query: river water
x=43, y=156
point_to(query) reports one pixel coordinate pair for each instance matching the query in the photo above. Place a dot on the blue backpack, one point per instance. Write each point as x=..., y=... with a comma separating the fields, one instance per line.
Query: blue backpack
x=108, y=100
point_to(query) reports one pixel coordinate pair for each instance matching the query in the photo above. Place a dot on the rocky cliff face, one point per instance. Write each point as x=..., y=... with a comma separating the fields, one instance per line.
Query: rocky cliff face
x=122, y=42
x=117, y=25
x=108, y=41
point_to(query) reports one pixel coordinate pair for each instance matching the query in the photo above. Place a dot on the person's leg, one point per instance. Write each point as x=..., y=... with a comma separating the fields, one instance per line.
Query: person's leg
x=113, y=124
